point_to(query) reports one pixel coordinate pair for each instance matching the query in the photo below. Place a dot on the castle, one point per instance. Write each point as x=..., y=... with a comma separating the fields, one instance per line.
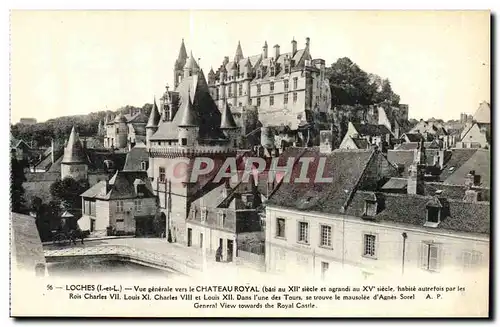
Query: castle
x=287, y=89
x=124, y=130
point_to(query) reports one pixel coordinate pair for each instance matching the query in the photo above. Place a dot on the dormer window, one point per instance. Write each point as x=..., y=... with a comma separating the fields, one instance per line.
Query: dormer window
x=370, y=208
x=204, y=214
x=433, y=213
x=144, y=165
x=221, y=217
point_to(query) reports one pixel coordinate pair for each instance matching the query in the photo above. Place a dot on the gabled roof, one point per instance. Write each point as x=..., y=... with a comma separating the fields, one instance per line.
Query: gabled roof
x=361, y=143
x=121, y=186
x=208, y=115
x=413, y=137
x=74, y=152
x=483, y=113
x=414, y=145
x=345, y=167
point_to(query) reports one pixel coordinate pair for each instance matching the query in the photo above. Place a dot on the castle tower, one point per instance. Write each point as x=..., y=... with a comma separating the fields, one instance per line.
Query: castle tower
x=229, y=127
x=74, y=162
x=152, y=125
x=264, y=50
x=191, y=67
x=179, y=65
x=239, y=53
x=417, y=171
x=188, y=127
x=121, y=131
x=211, y=77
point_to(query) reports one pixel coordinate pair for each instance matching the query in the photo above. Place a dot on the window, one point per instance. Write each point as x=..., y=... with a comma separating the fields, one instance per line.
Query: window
x=240, y=89
x=137, y=205
x=258, y=102
x=324, y=269
x=433, y=214
x=258, y=89
x=285, y=98
x=203, y=214
x=162, y=174
x=369, y=245
x=430, y=256
x=287, y=69
x=229, y=91
x=285, y=83
x=119, y=206
x=240, y=104
x=295, y=80
x=303, y=232
x=294, y=97
x=144, y=165
x=471, y=259
x=250, y=101
x=326, y=236
x=272, y=71
x=271, y=100
x=271, y=87
x=370, y=208
x=184, y=141
x=117, y=131
x=280, y=227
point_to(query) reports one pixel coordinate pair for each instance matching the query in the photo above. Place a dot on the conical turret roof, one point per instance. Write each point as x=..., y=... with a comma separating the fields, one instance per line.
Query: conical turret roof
x=227, y=119
x=189, y=117
x=154, y=117
x=239, y=53
x=191, y=62
x=74, y=153
x=182, y=52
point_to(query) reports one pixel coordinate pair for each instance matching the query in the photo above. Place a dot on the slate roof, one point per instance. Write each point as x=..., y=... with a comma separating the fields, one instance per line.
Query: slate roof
x=371, y=129
x=361, y=143
x=206, y=111
x=479, y=161
x=345, y=167
x=457, y=159
x=227, y=120
x=414, y=145
x=121, y=187
x=154, y=116
x=411, y=210
x=135, y=157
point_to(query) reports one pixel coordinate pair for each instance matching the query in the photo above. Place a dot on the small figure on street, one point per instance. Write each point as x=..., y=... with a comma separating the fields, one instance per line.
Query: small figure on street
x=218, y=254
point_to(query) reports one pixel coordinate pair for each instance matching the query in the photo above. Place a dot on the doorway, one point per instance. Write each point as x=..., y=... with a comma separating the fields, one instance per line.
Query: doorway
x=92, y=225
x=190, y=236
x=229, y=250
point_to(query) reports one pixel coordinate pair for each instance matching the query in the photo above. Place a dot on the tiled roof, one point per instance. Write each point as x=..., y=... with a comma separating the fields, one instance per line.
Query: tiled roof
x=414, y=145
x=345, y=167
x=371, y=129
x=208, y=114
x=121, y=187
x=361, y=143
x=457, y=159
x=135, y=157
x=479, y=162
x=483, y=113
x=137, y=118
x=395, y=183
x=411, y=210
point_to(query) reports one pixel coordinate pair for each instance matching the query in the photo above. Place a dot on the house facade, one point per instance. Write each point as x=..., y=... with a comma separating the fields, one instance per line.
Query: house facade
x=125, y=205
x=125, y=130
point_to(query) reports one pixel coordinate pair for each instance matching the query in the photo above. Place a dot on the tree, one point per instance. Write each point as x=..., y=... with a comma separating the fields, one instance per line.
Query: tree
x=17, y=178
x=68, y=191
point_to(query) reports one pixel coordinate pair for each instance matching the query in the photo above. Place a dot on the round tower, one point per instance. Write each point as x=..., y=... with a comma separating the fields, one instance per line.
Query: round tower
x=152, y=125
x=121, y=131
x=188, y=127
x=74, y=162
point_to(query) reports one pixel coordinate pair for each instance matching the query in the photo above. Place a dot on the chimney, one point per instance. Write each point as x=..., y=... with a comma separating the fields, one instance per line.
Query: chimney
x=415, y=179
x=276, y=51
x=264, y=51
x=307, y=42
x=294, y=47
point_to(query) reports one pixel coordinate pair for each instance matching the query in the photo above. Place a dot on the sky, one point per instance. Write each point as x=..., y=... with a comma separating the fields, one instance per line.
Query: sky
x=77, y=62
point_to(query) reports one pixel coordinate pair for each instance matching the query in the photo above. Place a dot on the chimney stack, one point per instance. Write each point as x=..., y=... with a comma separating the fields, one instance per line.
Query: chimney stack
x=471, y=179
x=294, y=47
x=307, y=42
x=276, y=51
